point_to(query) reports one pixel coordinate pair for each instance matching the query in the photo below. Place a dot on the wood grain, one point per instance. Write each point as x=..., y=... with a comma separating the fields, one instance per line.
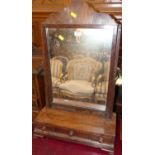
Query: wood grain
x=79, y=104
x=78, y=127
x=87, y=128
x=38, y=93
x=49, y=5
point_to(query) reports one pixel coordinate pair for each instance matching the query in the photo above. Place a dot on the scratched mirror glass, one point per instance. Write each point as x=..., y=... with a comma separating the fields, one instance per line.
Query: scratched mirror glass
x=79, y=64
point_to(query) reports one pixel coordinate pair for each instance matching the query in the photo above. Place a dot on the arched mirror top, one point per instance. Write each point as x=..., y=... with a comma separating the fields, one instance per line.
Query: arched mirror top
x=80, y=13
x=80, y=56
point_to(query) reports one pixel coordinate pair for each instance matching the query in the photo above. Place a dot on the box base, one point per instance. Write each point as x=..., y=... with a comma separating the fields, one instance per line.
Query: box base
x=92, y=130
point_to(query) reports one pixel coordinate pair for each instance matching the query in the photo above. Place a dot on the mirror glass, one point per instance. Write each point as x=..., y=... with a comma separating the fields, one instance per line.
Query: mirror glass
x=80, y=63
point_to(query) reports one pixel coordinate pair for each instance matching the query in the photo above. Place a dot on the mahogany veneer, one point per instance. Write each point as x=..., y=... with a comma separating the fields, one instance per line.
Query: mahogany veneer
x=40, y=11
x=93, y=130
x=86, y=124
x=38, y=95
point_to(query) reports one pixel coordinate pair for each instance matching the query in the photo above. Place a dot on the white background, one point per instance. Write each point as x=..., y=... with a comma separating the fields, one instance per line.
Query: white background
x=138, y=77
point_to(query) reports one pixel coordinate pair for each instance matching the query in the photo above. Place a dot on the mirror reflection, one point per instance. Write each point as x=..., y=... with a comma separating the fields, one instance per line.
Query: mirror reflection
x=80, y=63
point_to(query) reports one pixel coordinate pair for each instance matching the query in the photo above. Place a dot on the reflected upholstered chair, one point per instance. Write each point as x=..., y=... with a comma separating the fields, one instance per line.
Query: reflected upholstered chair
x=80, y=78
x=101, y=88
x=58, y=65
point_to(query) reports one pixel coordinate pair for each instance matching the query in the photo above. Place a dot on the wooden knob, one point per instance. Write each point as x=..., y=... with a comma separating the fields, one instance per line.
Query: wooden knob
x=71, y=133
x=44, y=127
x=101, y=140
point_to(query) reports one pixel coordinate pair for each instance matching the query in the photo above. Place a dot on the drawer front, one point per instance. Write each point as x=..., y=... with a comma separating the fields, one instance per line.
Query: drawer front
x=73, y=134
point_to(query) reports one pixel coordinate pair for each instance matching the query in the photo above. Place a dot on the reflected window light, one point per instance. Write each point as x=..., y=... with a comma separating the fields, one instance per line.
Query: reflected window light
x=78, y=34
x=99, y=35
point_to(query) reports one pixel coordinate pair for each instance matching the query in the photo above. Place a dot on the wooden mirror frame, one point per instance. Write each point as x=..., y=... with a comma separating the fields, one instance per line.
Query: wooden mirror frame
x=113, y=63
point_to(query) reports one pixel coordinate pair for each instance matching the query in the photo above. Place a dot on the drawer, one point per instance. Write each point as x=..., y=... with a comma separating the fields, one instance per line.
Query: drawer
x=71, y=134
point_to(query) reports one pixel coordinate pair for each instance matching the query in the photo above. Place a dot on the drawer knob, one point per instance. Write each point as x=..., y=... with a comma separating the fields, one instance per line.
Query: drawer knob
x=44, y=128
x=71, y=133
x=101, y=140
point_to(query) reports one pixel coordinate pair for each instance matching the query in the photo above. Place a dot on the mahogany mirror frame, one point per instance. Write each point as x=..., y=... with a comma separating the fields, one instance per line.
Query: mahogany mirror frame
x=113, y=64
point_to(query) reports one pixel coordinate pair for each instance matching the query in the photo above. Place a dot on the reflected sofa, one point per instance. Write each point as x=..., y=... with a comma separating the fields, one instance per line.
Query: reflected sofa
x=57, y=66
x=79, y=81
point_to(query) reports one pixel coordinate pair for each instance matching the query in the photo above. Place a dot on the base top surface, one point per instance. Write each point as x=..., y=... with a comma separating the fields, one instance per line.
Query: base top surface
x=77, y=121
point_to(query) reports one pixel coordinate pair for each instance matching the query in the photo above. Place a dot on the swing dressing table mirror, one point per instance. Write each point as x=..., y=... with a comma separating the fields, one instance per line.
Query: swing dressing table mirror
x=80, y=59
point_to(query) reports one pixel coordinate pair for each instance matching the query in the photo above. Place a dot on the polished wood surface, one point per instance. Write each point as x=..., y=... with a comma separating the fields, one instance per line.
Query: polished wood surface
x=41, y=9
x=49, y=5
x=89, y=123
x=90, y=19
x=79, y=104
x=37, y=65
x=92, y=130
x=112, y=77
x=85, y=15
x=38, y=95
x=112, y=7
